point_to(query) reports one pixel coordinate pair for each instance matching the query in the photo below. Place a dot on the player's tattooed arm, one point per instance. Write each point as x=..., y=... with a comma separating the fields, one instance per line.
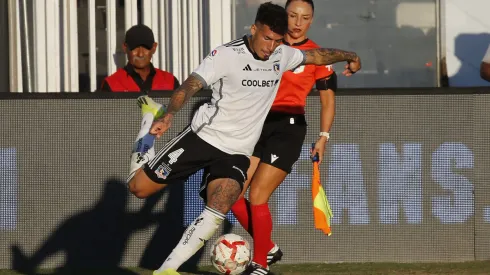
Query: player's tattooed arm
x=180, y=96
x=325, y=56
x=190, y=87
x=328, y=56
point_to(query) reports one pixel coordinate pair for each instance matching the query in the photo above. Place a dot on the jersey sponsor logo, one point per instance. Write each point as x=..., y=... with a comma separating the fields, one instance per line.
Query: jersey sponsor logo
x=273, y=158
x=258, y=83
x=211, y=54
x=175, y=155
x=249, y=68
x=277, y=51
x=239, y=50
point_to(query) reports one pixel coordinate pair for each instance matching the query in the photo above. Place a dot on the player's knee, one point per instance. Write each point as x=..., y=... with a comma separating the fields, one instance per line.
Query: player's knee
x=141, y=194
x=137, y=190
x=258, y=196
x=222, y=194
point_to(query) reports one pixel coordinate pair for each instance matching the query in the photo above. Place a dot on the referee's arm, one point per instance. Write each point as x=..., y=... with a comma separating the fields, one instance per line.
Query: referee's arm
x=327, y=88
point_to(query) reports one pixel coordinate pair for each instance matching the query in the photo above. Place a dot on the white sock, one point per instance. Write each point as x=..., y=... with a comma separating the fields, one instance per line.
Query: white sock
x=143, y=148
x=199, y=231
x=144, y=141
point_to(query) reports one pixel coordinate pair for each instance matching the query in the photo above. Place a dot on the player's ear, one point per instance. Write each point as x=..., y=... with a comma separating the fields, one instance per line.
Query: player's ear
x=154, y=48
x=253, y=29
x=125, y=48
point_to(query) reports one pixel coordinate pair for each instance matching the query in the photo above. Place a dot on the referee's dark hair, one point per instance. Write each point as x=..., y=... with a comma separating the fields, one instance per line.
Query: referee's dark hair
x=307, y=1
x=273, y=16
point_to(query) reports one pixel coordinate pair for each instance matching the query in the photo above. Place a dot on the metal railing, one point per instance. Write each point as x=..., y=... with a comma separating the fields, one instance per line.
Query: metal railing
x=52, y=57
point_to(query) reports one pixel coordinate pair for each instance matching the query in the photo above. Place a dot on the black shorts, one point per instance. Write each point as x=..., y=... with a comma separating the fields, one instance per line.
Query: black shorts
x=281, y=140
x=187, y=153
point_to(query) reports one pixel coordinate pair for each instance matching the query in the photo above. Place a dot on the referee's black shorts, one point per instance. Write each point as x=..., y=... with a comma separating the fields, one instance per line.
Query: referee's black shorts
x=281, y=140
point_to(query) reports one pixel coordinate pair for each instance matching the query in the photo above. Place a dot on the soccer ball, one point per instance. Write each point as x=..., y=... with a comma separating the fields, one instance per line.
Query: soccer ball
x=230, y=254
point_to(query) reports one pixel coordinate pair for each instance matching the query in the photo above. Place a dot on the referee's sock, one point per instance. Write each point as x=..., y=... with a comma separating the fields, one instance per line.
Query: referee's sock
x=241, y=210
x=262, y=231
x=196, y=234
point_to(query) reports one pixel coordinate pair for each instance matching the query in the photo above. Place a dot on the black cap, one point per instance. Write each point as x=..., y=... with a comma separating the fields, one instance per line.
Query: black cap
x=139, y=35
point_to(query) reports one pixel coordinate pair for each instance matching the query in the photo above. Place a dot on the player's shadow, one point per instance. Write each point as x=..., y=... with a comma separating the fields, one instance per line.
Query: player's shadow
x=470, y=50
x=92, y=240
x=169, y=227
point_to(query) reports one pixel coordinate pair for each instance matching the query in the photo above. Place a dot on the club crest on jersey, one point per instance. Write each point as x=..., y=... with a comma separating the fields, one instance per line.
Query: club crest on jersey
x=276, y=68
x=163, y=171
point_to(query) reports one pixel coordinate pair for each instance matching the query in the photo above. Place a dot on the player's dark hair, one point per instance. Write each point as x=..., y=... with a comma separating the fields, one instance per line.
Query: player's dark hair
x=273, y=16
x=307, y=1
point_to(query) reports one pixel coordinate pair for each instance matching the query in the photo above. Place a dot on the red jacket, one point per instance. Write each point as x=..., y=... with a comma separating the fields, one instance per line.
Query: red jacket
x=127, y=80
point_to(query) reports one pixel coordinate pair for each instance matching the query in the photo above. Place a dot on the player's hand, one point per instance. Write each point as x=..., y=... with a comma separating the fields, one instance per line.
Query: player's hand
x=352, y=67
x=161, y=126
x=319, y=148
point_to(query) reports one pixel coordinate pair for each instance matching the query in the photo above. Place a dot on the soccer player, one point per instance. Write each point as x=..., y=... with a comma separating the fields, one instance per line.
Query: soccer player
x=282, y=137
x=244, y=76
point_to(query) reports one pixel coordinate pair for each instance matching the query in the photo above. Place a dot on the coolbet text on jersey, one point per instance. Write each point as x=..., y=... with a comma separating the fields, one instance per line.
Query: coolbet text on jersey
x=243, y=89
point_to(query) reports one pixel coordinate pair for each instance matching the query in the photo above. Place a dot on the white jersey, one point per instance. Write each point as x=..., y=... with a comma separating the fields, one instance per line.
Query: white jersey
x=244, y=88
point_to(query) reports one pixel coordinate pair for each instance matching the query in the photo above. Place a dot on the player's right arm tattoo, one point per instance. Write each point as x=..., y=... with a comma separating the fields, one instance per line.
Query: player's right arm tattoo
x=324, y=56
x=190, y=86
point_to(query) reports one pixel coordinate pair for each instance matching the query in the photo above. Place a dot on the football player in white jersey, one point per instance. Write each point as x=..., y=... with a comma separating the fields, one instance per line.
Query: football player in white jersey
x=244, y=76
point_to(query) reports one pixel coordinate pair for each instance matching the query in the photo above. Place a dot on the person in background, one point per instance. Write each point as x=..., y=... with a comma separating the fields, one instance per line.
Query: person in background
x=223, y=132
x=139, y=74
x=282, y=138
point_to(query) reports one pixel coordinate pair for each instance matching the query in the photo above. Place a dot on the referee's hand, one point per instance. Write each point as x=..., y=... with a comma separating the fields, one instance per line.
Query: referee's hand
x=159, y=127
x=319, y=148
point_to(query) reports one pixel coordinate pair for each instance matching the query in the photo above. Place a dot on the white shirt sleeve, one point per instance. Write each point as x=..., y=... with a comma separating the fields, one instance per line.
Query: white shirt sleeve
x=213, y=67
x=293, y=57
x=486, y=58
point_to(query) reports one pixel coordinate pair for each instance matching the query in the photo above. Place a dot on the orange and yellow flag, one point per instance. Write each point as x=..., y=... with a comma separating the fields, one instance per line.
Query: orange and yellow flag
x=321, y=207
